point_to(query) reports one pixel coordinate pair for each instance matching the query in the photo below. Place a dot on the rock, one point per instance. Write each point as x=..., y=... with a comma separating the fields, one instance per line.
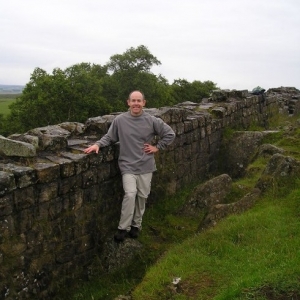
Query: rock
x=10, y=147
x=33, y=140
x=51, y=138
x=73, y=127
x=98, y=125
x=267, y=150
x=227, y=95
x=24, y=176
x=240, y=150
x=278, y=169
x=220, y=211
x=119, y=255
x=207, y=194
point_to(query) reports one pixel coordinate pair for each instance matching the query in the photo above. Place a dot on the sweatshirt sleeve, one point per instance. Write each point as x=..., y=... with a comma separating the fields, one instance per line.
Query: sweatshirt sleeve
x=165, y=133
x=110, y=137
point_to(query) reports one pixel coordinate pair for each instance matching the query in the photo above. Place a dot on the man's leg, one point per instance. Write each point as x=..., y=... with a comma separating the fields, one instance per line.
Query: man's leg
x=128, y=204
x=143, y=191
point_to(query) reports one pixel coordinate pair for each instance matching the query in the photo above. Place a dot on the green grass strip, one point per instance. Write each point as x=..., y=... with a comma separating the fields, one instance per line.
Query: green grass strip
x=234, y=260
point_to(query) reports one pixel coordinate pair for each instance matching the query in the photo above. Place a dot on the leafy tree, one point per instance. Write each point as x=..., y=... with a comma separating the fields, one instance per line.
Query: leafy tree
x=156, y=90
x=131, y=71
x=3, y=129
x=70, y=95
x=85, y=91
x=195, y=91
x=134, y=59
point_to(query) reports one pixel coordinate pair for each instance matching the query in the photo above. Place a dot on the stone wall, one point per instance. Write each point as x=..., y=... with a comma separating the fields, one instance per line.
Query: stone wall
x=58, y=205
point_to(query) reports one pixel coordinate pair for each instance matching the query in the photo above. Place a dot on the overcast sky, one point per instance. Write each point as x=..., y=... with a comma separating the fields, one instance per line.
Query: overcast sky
x=238, y=44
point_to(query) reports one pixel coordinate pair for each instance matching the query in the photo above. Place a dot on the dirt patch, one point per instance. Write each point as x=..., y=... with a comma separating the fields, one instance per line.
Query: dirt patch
x=190, y=287
x=270, y=293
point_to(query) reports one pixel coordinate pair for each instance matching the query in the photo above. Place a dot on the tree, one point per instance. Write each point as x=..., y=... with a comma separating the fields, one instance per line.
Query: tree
x=182, y=90
x=134, y=59
x=74, y=94
x=132, y=71
x=3, y=129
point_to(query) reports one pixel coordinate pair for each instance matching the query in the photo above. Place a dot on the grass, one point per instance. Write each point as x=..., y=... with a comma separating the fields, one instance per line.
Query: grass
x=234, y=260
x=254, y=255
x=5, y=101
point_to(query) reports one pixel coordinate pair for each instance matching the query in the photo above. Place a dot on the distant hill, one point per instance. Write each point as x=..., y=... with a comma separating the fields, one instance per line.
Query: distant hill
x=11, y=89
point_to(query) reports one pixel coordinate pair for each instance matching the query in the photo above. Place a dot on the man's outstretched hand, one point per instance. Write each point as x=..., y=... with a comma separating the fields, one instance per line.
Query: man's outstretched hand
x=93, y=148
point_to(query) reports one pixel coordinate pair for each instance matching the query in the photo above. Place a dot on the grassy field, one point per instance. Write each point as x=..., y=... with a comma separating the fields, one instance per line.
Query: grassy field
x=5, y=101
x=254, y=255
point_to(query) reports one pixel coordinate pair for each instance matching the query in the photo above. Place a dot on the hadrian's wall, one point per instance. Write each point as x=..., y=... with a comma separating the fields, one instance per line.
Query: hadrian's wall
x=58, y=205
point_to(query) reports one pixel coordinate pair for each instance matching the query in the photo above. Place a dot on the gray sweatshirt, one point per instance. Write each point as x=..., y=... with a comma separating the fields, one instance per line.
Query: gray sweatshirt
x=133, y=132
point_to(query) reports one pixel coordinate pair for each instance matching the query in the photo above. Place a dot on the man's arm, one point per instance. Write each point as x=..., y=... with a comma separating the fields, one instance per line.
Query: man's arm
x=165, y=133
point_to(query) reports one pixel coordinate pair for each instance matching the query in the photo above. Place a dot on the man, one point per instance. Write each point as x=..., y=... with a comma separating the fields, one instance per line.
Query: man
x=135, y=130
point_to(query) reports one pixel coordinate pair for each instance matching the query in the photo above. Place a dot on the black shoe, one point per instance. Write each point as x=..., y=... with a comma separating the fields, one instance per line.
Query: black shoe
x=120, y=235
x=134, y=232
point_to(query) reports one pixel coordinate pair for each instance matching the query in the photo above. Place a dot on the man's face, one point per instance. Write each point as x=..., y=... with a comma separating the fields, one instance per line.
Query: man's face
x=136, y=102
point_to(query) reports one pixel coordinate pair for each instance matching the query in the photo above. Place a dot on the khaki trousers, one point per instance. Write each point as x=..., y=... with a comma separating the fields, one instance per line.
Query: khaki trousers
x=136, y=189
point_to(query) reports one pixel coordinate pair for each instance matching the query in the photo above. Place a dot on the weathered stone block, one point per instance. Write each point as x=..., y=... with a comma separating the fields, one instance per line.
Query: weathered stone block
x=179, y=128
x=219, y=112
x=103, y=172
x=7, y=228
x=12, y=248
x=7, y=183
x=96, y=159
x=47, y=192
x=24, y=176
x=24, y=219
x=89, y=178
x=178, y=153
x=84, y=243
x=98, y=125
x=65, y=254
x=210, y=193
x=194, y=120
x=67, y=166
x=188, y=126
x=69, y=185
x=164, y=113
x=43, y=211
x=108, y=153
x=74, y=127
x=47, y=172
x=52, y=142
x=33, y=140
x=81, y=161
x=51, y=137
x=6, y=205
x=56, y=208
x=10, y=147
x=25, y=198
x=76, y=200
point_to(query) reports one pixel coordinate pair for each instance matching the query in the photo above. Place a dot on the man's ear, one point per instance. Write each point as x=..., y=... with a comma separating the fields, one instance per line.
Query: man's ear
x=128, y=102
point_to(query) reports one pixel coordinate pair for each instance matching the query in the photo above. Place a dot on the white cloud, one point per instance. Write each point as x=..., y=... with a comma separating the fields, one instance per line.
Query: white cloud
x=236, y=44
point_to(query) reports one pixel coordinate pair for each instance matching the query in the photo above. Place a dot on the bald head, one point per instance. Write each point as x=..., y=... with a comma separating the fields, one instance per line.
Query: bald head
x=137, y=94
